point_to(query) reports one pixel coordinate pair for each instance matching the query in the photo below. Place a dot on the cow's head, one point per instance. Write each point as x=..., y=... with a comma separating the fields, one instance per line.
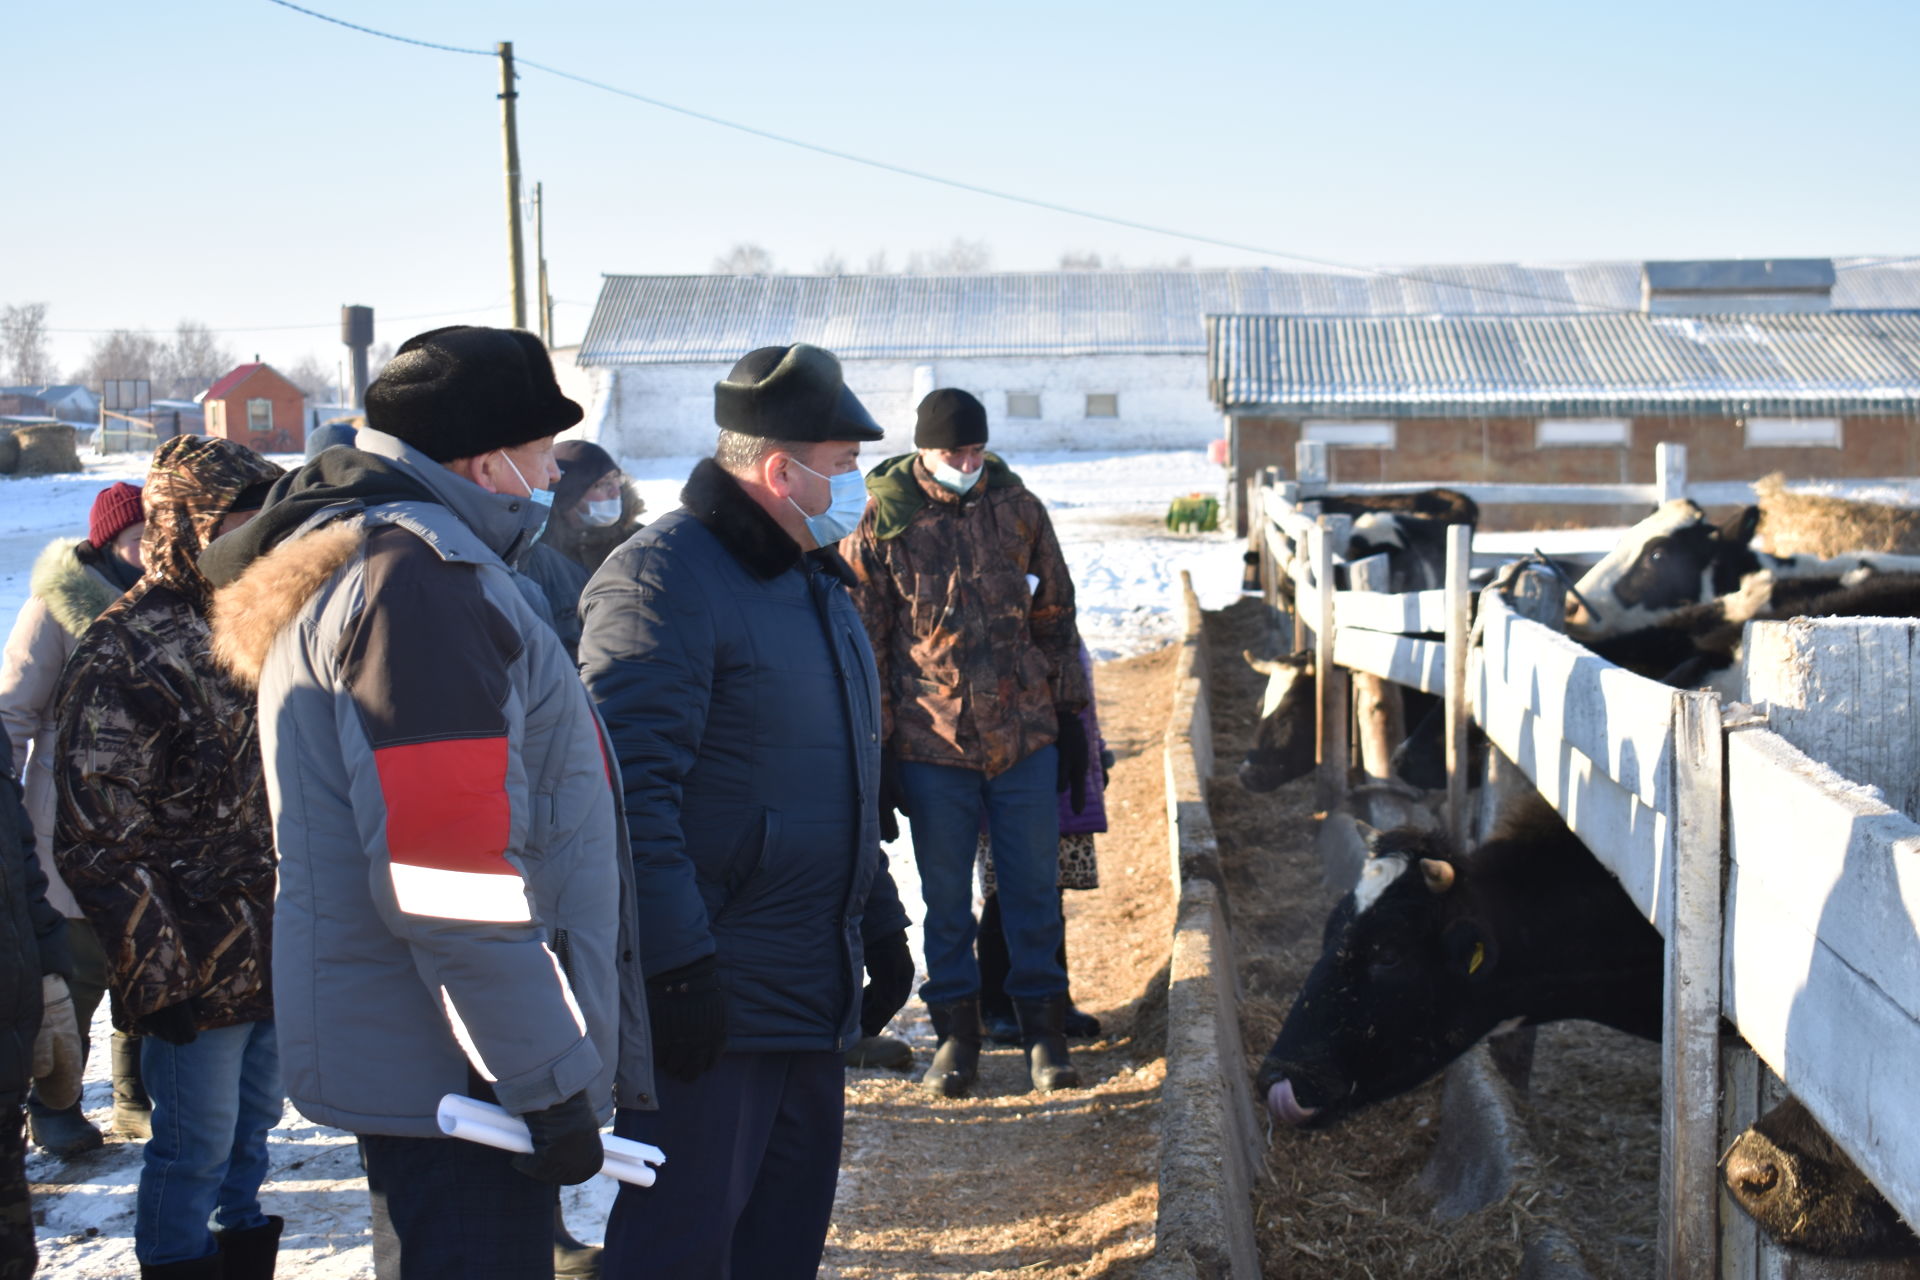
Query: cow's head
x=1402, y=986
x=1283, y=746
x=1672, y=559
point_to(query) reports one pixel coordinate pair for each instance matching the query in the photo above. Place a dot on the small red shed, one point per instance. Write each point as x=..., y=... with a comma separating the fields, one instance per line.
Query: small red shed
x=255, y=406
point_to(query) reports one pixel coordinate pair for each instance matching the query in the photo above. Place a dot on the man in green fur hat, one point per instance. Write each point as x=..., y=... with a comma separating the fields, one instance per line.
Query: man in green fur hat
x=969, y=606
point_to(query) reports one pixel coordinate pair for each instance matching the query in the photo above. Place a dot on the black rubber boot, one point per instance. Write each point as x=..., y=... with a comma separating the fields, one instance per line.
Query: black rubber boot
x=211, y=1267
x=249, y=1254
x=956, y=1061
x=132, y=1109
x=65, y=1134
x=571, y=1259
x=990, y=948
x=1043, y=1032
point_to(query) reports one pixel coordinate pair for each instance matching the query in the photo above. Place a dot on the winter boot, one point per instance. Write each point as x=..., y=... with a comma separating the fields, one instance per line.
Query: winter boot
x=132, y=1109
x=65, y=1134
x=1043, y=1032
x=956, y=1060
x=249, y=1254
x=211, y=1267
x=990, y=946
x=881, y=1051
x=571, y=1259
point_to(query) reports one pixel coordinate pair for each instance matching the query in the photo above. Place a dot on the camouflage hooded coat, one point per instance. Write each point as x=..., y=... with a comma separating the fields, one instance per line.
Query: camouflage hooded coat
x=161, y=826
x=969, y=606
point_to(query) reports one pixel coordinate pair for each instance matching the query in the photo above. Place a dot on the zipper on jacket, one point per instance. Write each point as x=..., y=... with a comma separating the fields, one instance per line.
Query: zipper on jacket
x=563, y=951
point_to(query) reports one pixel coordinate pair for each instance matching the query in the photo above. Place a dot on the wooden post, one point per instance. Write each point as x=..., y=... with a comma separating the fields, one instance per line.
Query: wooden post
x=1310, y=464
x=1459, y=629
x=1670, y=470
x=510, y=147
x=1380, y=718
x=1330, y=681
x=1690, y=1033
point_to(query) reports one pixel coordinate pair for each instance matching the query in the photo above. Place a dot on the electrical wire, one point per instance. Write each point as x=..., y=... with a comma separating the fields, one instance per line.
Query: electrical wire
x=957, y=184
x=286, y=328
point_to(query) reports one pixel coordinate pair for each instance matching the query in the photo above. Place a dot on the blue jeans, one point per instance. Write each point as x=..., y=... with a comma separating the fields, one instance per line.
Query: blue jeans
x=213, y=1102
x=1023, y=818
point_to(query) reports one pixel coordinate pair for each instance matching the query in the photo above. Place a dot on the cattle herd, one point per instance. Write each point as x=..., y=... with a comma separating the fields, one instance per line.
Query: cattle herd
x=1437, y=947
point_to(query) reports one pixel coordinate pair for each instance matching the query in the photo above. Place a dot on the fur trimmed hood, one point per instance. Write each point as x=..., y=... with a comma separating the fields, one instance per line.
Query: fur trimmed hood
x=75, y=593
x=257, y=606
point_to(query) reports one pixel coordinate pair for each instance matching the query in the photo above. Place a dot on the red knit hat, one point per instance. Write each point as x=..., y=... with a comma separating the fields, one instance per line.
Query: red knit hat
x=114, y=508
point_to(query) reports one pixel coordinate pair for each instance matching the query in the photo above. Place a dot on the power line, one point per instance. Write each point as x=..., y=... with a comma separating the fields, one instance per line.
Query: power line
x=957, y=184
x=286, y=328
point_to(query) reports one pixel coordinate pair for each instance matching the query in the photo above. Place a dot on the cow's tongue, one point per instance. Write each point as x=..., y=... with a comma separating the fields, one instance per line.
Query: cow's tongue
x=1285, y=1106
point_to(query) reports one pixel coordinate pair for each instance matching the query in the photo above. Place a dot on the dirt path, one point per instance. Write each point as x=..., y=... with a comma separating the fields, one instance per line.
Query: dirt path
x=1012, y=1182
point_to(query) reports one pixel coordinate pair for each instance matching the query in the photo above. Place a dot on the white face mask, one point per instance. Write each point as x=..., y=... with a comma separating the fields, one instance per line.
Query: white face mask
x=602, y=513
x=955, y=479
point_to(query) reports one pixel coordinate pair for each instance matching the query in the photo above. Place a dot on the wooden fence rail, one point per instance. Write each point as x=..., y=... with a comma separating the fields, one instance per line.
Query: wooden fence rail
x=1799, y=923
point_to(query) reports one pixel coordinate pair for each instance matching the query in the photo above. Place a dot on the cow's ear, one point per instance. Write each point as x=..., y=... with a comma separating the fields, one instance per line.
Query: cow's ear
x=1739, y=529
x=1470, y=950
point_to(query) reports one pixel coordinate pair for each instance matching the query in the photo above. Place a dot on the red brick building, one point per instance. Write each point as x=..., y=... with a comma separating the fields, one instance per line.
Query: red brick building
x=255, y=406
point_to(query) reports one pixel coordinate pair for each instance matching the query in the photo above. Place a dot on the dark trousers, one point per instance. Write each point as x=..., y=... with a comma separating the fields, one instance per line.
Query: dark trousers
x=444, y=1209
x=17, y=1254
x=753, y=1154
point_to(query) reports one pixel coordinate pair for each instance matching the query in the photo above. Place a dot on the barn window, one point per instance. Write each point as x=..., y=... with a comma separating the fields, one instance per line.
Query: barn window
x=1025, y=404
x=1564, y=433
x=1103, y=404
x=1793, y=433
x=259, y=415
x=1349, y=435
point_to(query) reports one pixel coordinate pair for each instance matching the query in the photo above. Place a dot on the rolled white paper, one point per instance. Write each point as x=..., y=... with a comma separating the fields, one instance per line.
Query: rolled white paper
x=491, y=1126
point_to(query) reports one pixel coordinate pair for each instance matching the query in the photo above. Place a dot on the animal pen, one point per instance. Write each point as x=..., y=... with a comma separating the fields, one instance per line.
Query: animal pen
x=1786, y=889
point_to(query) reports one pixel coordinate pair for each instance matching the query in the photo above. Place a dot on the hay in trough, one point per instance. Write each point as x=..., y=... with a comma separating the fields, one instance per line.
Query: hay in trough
x=1811, y=524
x=46, y=448
x=9, y=452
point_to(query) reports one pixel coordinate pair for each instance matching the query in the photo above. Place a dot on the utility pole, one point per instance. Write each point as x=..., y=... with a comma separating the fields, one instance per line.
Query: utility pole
x=540, y=266
x=510, y=139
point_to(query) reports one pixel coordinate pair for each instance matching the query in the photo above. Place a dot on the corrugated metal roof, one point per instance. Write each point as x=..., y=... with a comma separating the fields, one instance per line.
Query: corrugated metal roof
x=1413, y=366
x=685, y=319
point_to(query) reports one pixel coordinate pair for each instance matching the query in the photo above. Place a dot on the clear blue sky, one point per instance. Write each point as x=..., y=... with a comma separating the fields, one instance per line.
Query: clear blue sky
x=244, y=165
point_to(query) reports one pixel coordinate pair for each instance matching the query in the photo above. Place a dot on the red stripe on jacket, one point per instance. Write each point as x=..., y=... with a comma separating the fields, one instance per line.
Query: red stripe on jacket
x=447, y=804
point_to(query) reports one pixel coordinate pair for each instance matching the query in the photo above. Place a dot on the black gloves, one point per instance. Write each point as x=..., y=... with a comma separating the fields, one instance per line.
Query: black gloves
x=889, y=982
x=566, y=1143
x=1072, y=745
x=173, y=1023
x=891, y=798
x=688, y=1010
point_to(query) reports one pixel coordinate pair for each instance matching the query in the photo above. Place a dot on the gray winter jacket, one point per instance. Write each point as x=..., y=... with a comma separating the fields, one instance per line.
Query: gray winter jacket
x=455, y=890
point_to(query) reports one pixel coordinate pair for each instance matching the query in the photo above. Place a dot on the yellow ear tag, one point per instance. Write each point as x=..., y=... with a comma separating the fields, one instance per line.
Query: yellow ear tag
x=1479, y=958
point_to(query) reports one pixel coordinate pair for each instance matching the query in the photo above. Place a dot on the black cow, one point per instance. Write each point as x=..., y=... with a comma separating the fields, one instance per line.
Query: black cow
x=1415, y=547
x=1435, y=949
x=1449, y=506
x=1807, y=1195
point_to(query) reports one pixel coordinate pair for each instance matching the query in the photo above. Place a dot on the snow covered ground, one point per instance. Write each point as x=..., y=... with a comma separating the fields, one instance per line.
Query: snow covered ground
x=1108, y=509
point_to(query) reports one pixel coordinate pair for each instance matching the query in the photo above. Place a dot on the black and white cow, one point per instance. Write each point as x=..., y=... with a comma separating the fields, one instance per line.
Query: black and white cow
x=1448, y=506
x=1283, y=743
x=1795, y=1182
x=1435, y=949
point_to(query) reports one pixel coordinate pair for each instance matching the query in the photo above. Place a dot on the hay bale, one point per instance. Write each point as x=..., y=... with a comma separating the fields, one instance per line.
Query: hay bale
x=1809, y=524
x=47, y=448
x=9, y=452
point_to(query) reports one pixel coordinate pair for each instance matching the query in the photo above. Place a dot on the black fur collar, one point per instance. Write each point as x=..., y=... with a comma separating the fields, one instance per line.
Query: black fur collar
x=717, y=501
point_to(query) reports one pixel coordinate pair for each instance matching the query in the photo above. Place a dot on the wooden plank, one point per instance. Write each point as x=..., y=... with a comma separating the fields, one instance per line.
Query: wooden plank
x=1311, y=463
x=1690, y=1032
x=1459, y=602
x=1403, y=660
x=1603, y=495
x=1630, y=837
x=1406, y=613
x=1379, y=718
x=1833, y=1035
x=1291, y=521
x=1669, y=471
x=1609, y=714
x=1330, y=740
x=1843, y=863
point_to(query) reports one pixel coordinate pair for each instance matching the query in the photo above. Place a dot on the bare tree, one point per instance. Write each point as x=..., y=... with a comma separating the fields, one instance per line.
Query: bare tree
x=744, y=260
x=191, y=362
x=832, y=264
x=877, y=263
x=377, y=357
x=121, y=354
x=961, y=258
x=317, y=380
x=1080, y=260
x=24, y=358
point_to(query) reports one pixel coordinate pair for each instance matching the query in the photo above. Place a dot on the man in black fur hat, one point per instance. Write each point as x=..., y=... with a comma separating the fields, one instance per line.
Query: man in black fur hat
x=741, y=698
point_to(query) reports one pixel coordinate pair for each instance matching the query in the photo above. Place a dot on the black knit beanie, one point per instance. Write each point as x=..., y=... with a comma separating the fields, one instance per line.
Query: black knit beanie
x=950, y=419
x=467, y=390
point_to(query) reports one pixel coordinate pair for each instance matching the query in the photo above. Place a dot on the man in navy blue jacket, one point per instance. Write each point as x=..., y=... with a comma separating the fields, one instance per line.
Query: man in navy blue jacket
x=741, y=698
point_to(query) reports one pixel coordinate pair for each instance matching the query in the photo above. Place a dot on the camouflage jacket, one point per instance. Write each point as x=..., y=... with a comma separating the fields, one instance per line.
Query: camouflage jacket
x=161, y=827
x=969, y=606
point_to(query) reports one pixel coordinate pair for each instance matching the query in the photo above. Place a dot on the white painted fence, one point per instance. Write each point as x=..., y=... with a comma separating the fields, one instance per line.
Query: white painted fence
x=1817, y=962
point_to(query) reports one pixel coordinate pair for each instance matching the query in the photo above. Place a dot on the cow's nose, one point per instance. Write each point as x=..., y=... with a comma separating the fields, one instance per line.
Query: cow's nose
x=1752, y=1172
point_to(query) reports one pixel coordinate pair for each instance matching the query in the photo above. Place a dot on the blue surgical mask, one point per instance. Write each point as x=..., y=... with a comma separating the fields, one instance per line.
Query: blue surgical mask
x=602, y=512
x=846, y=500
x=541, y=499
x=953, y=478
